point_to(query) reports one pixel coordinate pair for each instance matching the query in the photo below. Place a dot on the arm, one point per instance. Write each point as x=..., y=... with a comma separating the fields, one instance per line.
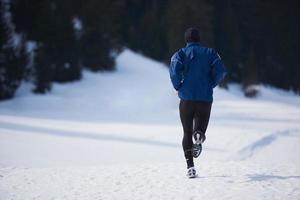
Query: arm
x=218, y=68
x=176, y=70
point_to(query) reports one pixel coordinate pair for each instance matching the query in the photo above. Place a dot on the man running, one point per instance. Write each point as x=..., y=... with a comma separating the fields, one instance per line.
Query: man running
x=194, y=71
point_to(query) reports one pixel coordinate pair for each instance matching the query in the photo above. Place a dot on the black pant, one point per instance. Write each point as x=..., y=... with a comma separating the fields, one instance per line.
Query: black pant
x=194, y=116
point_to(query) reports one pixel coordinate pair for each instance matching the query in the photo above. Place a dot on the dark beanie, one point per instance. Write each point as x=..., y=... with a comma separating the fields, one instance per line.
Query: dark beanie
x=192, y=35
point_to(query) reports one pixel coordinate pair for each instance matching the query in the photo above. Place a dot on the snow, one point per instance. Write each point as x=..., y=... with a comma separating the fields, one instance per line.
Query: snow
x=31, y=46
x=118, y=136
x=77, y=24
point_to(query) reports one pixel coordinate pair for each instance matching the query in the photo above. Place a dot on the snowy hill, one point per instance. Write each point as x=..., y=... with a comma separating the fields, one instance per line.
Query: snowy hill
x=118, y=136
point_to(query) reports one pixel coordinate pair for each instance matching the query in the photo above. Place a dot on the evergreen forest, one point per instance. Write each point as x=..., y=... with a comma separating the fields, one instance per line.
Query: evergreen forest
x=49, y=41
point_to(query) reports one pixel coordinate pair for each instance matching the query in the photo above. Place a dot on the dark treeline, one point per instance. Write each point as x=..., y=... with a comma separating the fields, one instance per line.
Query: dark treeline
x=53, y=40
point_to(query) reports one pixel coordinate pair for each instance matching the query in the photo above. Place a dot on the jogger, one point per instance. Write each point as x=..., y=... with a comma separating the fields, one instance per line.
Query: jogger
x=194, y=116
x=194, y=71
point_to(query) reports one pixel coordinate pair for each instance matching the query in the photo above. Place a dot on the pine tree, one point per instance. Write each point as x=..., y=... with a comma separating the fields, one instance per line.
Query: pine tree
x=65, y=47
x=147, y=27
x=49, y=23
x=101, y=21
x=12, y=54
x=228, y=37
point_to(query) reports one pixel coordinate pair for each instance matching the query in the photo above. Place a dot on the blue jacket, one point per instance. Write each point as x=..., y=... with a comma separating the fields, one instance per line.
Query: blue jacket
x=195, y=70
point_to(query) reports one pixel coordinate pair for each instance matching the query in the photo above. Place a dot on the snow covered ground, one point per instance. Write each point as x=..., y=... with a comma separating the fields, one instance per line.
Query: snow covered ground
x=118, y=136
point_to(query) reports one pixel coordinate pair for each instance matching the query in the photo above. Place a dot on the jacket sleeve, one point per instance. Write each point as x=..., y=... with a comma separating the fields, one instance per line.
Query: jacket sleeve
x=176, y=70
x=218, y=68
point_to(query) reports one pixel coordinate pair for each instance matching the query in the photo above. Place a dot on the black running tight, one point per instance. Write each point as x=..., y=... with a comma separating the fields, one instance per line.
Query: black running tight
x=194, y=116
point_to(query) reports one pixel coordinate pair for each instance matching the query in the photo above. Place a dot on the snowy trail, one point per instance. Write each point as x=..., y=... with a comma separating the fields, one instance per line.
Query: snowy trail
x=122, y=182
x=118, y=136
